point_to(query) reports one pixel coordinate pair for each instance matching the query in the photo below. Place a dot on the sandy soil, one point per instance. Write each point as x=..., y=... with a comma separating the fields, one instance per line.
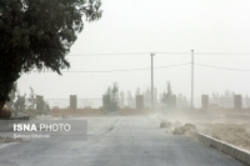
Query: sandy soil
x=233, y=133
x=230, y=127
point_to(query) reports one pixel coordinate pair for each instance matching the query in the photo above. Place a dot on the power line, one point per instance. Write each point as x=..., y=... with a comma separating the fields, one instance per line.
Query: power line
x=121, y=70
x=109, y=54
x=127, y=70
x=172, y=53
x=223, y=53
x=159, y=53
x=142, y=69
x=224, y=68
x=182, y=64
x=148, y=68
x=204, y=53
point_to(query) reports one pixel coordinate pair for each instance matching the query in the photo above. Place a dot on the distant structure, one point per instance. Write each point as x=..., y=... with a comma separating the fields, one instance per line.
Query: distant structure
x=73, y=102
x=237, y=102
x=139, y=102
x=39, y=103
x=204, y=101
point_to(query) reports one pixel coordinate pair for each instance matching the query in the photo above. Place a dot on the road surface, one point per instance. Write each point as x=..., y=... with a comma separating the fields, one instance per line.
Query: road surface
x=117, y=141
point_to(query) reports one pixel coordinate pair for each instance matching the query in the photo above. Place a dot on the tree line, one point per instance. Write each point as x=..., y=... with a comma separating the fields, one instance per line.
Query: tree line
x=33, y=104
x=114, y=99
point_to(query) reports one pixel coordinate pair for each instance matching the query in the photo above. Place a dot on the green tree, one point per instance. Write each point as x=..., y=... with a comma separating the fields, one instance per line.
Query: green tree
x=42, y=107
x=182, y=101
x=12, y=96
x=167, y=97
x=20, y=103
x=122, y=99
x=111, y=98
x=39, y=34
x=32, y=99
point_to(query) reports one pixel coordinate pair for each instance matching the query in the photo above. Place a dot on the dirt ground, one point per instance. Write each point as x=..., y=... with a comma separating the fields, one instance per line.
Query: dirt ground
x=237, y=134
x=228, y=126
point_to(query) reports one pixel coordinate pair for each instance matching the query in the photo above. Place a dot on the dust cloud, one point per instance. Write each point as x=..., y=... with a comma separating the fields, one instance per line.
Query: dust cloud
x=231, y=126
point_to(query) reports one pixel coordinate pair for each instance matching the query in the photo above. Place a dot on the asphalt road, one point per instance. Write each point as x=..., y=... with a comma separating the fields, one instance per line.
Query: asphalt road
x=117, y=141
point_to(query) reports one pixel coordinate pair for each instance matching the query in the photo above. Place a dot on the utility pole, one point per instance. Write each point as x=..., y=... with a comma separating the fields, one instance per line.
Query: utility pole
x=192, y=80
x=152, y=80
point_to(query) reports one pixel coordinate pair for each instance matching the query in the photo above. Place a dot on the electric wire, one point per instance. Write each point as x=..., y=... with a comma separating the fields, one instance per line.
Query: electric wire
x=224, y=68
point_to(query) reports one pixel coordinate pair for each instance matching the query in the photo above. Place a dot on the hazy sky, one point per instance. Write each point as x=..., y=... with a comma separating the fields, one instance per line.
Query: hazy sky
x=145, y=26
